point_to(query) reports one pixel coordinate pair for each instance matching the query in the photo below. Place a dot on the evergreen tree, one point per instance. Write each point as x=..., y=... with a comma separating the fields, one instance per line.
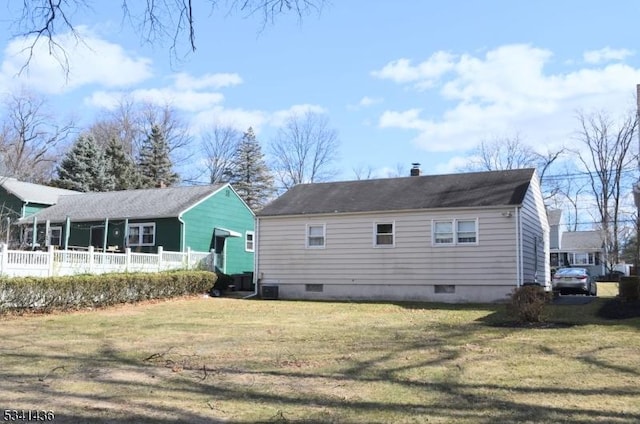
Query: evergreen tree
x=154, y=163
x=249, y=174
x=84, y=168
x=120, y=166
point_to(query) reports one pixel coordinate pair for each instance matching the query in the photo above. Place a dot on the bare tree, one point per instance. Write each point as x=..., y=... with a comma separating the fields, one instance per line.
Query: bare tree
x=362, y=172
x=131, y=123
x=305, y=149
x=155, y=21
x=511, y=153
x=29, y=138
x=219, y=145
x=607, y=156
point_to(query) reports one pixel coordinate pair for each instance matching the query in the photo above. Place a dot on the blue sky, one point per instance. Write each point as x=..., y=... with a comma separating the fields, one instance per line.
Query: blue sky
x=401, y=82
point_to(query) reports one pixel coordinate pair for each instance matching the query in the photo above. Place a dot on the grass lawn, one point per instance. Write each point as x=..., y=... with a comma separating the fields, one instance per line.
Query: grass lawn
x=203, y=360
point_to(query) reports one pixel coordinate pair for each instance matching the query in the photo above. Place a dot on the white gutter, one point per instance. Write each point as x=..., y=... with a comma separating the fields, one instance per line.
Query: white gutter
x=183, y=230
x=256, y=241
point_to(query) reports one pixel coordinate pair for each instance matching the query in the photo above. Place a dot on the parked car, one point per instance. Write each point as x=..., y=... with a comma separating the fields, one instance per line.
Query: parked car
x=574, y=280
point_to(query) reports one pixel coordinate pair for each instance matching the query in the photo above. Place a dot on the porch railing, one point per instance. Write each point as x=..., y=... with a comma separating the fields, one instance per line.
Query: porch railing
x=20, y=263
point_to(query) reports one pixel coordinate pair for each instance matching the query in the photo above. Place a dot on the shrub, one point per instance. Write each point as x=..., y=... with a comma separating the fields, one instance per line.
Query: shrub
x=629, y=288
x=83, y=291
x=527, y=304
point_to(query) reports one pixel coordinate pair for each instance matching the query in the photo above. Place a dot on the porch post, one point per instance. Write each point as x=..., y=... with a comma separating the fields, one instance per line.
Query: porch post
x=67, y=231
x=106, y=232
x=8, y=230
x=35, y=233
x=125, y=242
x=47, y=228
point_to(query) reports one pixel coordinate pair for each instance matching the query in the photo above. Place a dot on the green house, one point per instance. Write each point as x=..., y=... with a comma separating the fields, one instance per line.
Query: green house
x=19, y=199
x=200, y=218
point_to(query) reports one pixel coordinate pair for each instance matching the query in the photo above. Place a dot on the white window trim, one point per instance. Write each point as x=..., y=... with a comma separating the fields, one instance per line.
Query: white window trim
x=253, y=241
x=393, y=234
x=141, y=225
x=454, y=224
x=51, y=230
x=324, y=236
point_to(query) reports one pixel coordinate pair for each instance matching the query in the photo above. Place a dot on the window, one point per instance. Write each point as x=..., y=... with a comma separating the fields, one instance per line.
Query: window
x=443, y=232
x=315, y=236
x=444, y=288
x=582, y=259
x=142, y=234
x=454, y=231
x=384, y=234
x=28, y=236
x=248, y=241
x=55, y=236
x=318, y=288
x=466, y=231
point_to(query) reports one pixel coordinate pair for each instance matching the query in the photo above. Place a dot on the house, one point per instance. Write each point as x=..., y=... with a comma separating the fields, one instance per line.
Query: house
x=575, y=248
x=200, y=218
x=471, y=237
x=19, y=199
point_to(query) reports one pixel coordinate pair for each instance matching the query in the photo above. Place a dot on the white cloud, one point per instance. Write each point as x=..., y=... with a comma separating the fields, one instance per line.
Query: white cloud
x=606, y=54
x=190, y=101
x=240, y=119
x=508, y=91
x=184, y=81
x=424, y=73
x=366, y=102
x=90, y=60
x=279, y=117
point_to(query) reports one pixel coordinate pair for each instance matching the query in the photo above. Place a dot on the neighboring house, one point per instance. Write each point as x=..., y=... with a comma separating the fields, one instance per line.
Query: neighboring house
x=471, y=237
x=200, y=218
x=19, y=199
x=575, y=248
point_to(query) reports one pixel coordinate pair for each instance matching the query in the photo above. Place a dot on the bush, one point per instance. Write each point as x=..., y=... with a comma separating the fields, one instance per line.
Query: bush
x=527, y=304
x=222, y=283
x=85, y=291
x=629, y=288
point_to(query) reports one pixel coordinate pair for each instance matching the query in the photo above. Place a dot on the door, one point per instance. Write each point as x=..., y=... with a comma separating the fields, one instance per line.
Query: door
x=97, y=236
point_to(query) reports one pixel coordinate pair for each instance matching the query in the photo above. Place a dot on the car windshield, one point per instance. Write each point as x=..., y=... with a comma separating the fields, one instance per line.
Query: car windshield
x=571, y=272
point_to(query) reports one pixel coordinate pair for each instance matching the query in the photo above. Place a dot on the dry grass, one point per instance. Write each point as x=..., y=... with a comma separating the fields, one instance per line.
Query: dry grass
x=202, y=360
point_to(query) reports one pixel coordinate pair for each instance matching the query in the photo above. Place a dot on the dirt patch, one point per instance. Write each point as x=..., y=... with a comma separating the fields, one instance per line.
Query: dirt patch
x=619, y=309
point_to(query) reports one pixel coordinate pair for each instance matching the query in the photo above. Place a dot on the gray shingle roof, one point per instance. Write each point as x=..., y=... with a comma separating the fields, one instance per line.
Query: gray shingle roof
x=34, y=193
x=475, y=189
x=133, y=204
x=582, y=240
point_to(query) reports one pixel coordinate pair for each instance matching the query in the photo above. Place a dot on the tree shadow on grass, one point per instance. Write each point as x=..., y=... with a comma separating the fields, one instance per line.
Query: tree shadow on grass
x=448, y=398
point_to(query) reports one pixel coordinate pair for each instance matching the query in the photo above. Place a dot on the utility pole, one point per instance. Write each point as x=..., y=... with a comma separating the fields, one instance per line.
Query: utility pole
x=636, y=187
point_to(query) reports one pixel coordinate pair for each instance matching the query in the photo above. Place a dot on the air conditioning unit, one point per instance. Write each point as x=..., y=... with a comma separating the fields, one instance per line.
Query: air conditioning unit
x=269, y=292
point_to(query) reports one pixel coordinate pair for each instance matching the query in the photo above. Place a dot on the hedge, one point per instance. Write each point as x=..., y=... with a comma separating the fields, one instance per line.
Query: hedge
x=90, y=291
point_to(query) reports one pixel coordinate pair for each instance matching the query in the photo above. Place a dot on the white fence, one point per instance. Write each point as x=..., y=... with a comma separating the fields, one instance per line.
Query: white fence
x=20, y=263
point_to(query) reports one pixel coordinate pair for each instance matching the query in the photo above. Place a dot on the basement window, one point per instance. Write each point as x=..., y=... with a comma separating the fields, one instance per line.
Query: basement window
x=444, y=288
x=318, y=288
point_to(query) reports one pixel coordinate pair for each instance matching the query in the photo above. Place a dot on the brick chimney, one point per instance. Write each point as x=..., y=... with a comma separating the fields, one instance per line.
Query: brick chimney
x=415, y=169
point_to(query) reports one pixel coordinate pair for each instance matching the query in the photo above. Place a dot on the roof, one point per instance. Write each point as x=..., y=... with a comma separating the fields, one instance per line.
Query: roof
x=582, y=240
x=151, y=203
x=34, y=193
x=554, y=216
x=474, y=189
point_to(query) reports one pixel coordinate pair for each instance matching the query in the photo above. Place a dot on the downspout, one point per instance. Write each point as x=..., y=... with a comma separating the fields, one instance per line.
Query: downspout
x=256, y=249
x=519, y=248
x=34, y=236
x=67, y=232
x=183, y=230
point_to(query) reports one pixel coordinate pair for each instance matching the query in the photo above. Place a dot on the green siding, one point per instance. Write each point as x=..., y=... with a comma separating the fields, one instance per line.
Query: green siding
x=167, y=234
x=222, y=210
x=10, y=204
x=31, y=208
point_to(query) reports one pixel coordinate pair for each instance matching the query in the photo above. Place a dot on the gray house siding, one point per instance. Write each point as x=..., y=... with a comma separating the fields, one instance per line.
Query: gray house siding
x=350, y=266
x=535, y=237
